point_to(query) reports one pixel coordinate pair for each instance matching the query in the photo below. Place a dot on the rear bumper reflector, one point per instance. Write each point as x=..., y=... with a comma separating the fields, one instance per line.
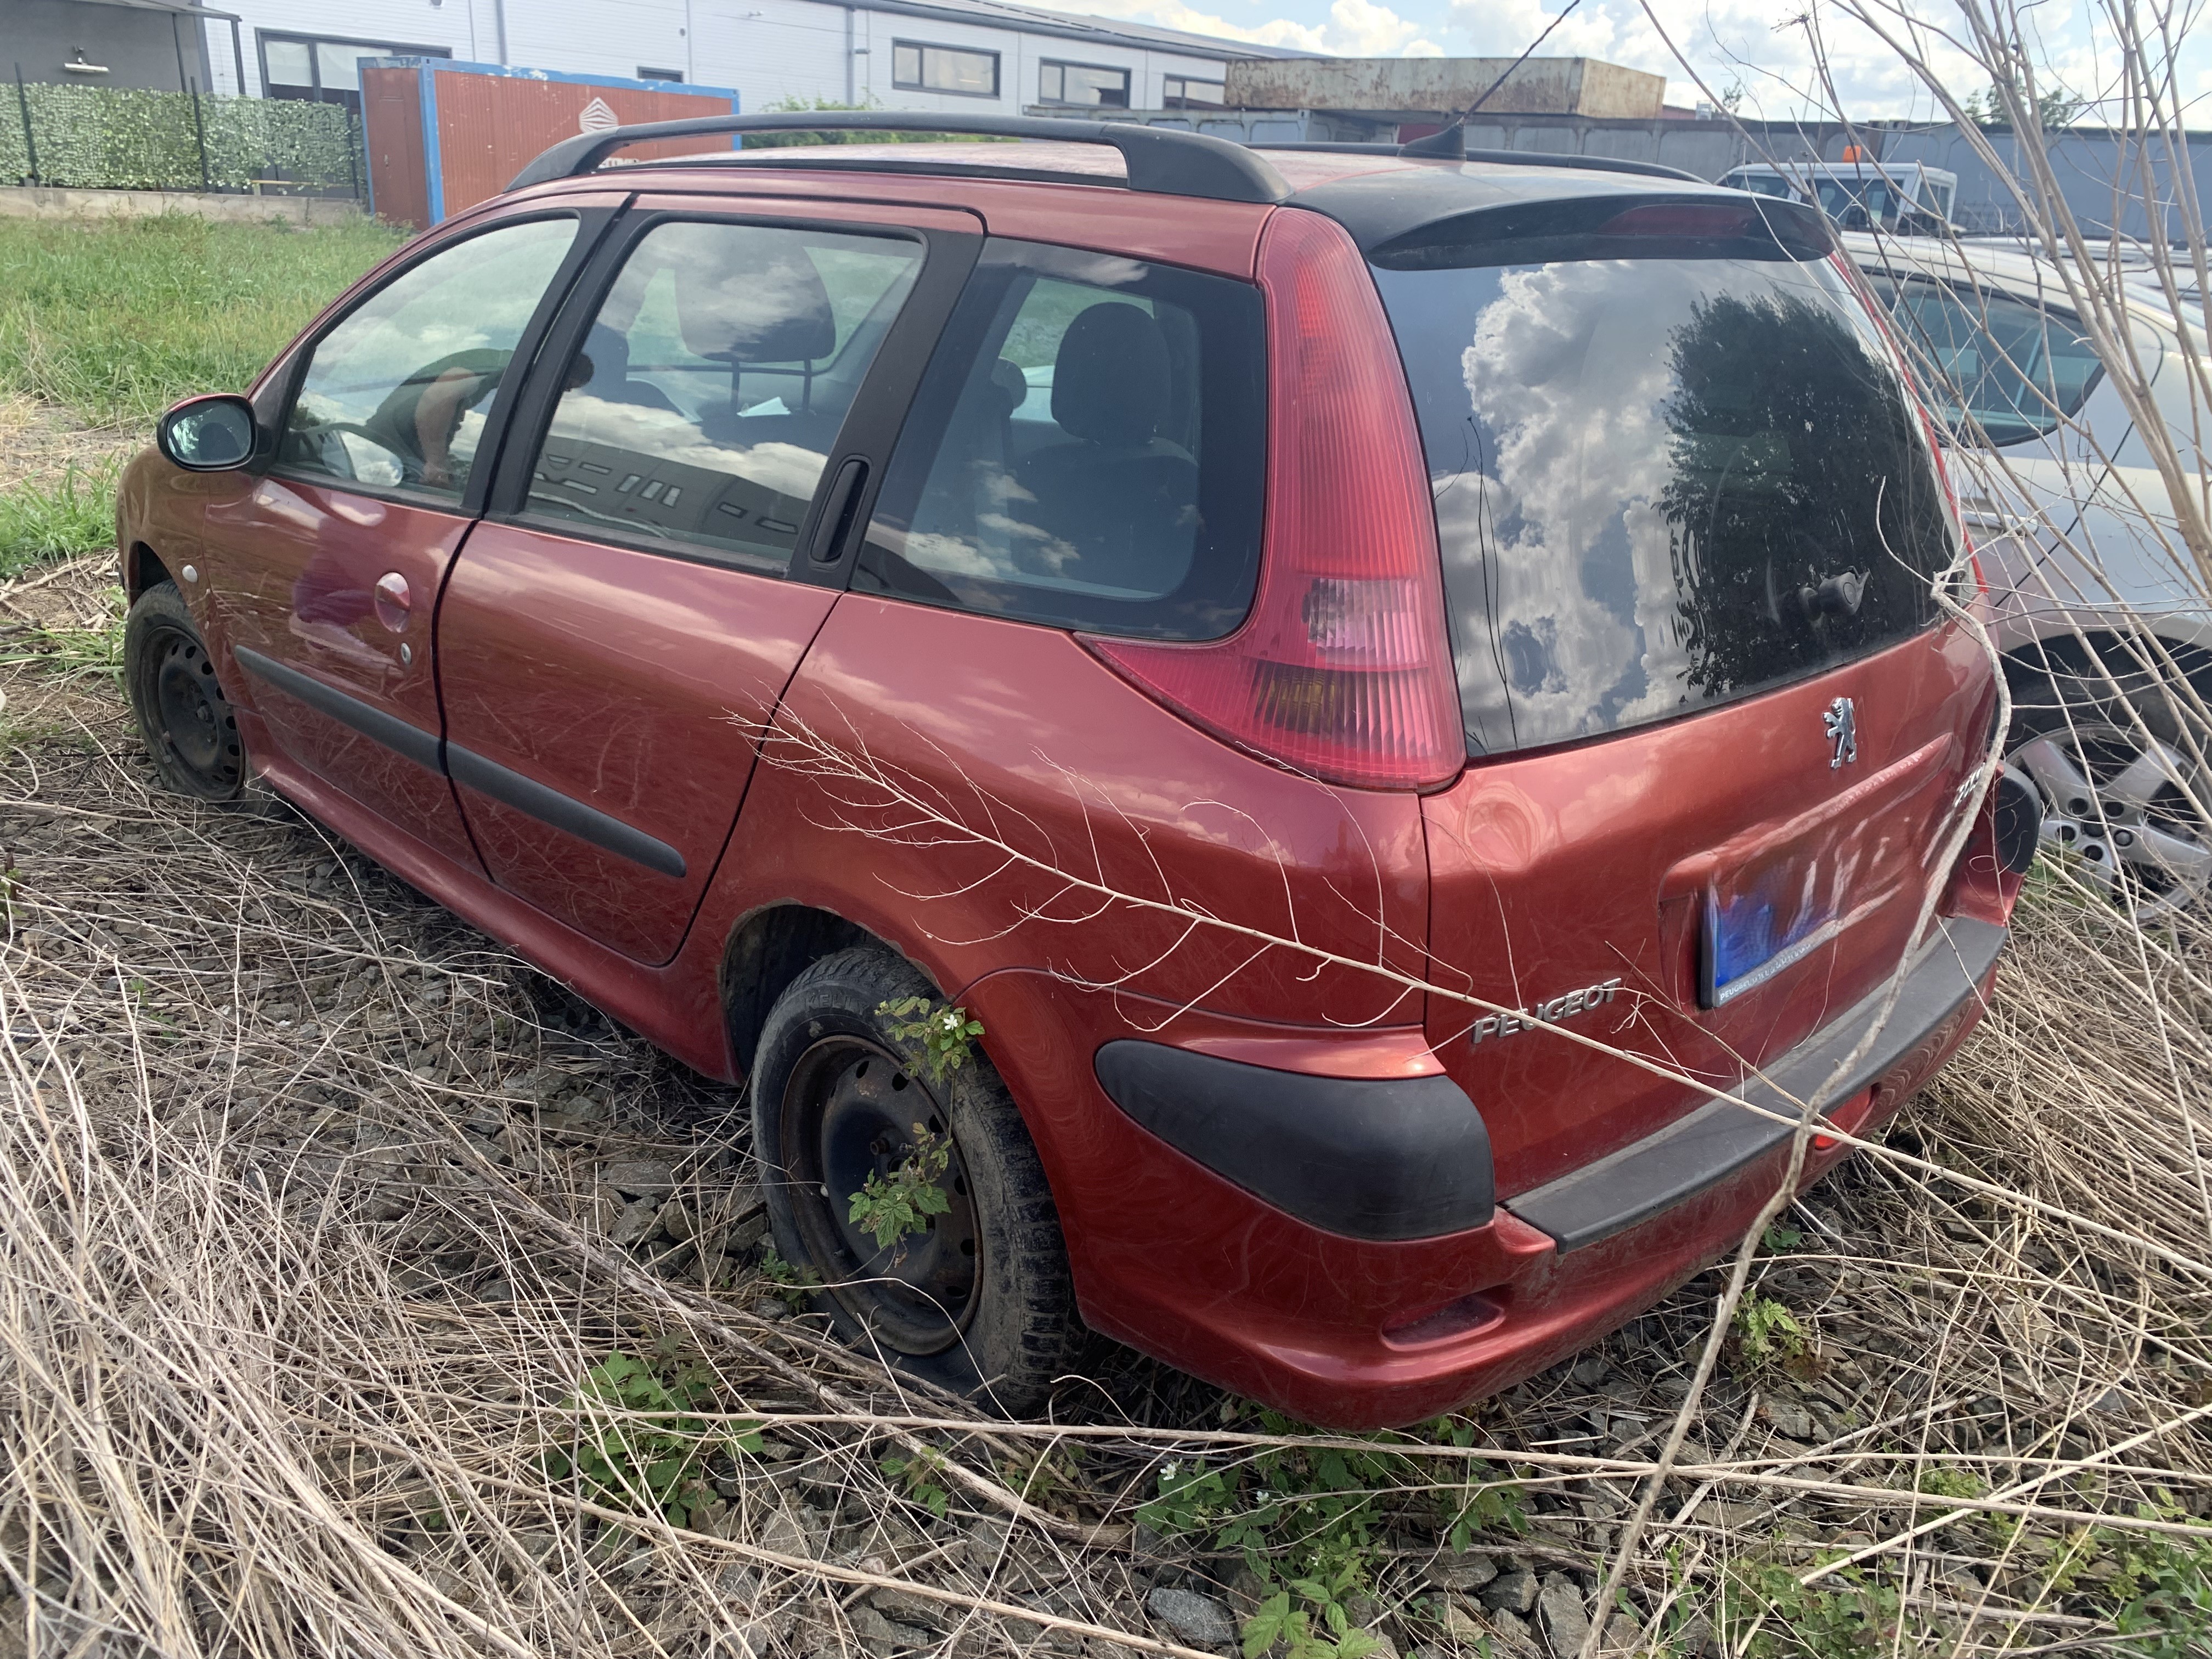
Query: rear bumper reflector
x=1720, y=1137
x=1365, y=1157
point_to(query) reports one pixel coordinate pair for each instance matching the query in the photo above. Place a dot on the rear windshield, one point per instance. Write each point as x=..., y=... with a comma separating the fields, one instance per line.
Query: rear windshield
x=1666, y=478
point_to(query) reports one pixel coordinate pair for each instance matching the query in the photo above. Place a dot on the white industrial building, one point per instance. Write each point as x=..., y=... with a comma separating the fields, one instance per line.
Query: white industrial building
x=978, y=57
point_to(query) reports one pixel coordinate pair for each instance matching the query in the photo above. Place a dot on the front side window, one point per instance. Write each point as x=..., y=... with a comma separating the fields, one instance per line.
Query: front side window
x=1179, y=92
x=708, y=391
x=396, y=395
x=1672, y=462
x=1085, y=450
x=916, y=67
x=1087, y=86
x=2002, y=371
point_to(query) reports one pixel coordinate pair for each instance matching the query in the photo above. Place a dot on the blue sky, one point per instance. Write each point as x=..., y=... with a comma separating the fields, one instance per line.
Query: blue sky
x=1761, y=44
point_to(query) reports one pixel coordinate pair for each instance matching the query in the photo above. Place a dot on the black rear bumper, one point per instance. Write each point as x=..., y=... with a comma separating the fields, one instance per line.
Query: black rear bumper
x=1720, y=1137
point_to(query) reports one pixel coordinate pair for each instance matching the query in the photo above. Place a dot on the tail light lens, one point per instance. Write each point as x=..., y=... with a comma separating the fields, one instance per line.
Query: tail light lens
x=1342, y=671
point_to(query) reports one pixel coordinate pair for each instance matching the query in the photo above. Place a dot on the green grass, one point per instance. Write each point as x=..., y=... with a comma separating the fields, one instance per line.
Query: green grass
x=76, y=515
x=116, y=322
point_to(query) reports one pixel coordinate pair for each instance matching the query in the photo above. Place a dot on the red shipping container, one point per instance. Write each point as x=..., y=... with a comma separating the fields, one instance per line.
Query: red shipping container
x=443, y=135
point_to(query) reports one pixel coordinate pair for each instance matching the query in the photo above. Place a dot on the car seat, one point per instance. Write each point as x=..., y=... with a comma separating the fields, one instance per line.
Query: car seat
x=607, y=350
x=1124, y=498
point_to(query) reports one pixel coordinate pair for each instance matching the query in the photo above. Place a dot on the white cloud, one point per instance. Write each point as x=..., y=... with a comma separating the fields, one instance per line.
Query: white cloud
x=1762, y=46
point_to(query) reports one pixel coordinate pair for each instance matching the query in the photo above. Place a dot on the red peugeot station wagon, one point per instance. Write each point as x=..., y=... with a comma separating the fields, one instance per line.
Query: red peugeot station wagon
x=1396, y=687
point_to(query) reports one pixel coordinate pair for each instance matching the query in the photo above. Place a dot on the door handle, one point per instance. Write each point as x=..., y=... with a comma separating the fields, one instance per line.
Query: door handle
x=393, y=601
x=838, y=507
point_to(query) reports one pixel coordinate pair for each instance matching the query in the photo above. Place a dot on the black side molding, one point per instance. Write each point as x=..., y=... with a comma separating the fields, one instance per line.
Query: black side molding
x=1365, y=1158
x=394, y=733
x=1720, y=1137
x=562, y=811
x=431, y=753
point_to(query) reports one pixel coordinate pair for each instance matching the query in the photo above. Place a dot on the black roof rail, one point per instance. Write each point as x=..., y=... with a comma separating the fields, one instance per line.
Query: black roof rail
x=1441, y=146
x=1161, y=161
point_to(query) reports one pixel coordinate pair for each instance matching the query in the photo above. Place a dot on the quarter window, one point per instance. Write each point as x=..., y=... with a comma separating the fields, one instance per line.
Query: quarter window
x=1085, y=450
x=1180, y=92
x=2002, y=371
x=396, y=395
x=916, y=67
x=1087, y=86
x=707, y=395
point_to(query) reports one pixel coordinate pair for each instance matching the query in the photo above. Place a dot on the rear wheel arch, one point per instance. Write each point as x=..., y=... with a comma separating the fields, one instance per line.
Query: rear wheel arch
x=769, y=949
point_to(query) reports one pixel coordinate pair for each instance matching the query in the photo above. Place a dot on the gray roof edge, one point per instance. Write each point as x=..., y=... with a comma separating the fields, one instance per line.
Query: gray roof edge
x=1066, y=26
x=175, y=8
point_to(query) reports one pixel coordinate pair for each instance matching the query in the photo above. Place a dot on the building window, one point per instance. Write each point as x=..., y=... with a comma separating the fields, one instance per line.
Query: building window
x=919, y=68
x=1084, y=85
x=647, y=73
x=323, y=70
x=1180, y=92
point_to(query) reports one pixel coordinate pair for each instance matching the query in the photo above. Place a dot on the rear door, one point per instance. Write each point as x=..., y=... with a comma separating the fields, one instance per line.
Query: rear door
x=711, y=419
x=1689, y=519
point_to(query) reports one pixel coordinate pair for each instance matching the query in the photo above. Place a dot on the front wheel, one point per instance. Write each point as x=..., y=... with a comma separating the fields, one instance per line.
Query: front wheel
x=189, y=728
x=978, y=1302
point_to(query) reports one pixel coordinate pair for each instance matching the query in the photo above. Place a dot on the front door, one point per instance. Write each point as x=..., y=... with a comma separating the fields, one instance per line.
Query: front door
x=615, y=637
x=332, y=559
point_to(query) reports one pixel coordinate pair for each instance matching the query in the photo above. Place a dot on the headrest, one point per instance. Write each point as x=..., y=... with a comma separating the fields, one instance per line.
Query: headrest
x=607, y=352
x=1111, y=382
x=770, y=309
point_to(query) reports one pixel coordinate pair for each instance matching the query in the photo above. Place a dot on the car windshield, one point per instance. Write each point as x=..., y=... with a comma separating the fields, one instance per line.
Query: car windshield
x=1660, y=482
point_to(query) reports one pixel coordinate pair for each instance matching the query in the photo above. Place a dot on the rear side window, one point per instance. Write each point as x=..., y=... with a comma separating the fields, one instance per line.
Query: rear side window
x=710, y=389
x=1086, y=450
x=2002, y=370
x=1670, y=467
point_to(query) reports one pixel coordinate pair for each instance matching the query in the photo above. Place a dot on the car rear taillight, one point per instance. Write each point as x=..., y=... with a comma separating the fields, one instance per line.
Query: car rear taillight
x=1342, y=670
x=1678, y=219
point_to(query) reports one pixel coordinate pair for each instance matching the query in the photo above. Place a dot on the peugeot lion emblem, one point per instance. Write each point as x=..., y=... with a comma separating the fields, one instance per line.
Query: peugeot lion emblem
x=1842, y=721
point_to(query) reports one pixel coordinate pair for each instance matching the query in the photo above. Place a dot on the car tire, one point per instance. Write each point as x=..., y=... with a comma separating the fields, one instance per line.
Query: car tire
x=190, y=729
x=980, y=1303
x=2108, y=750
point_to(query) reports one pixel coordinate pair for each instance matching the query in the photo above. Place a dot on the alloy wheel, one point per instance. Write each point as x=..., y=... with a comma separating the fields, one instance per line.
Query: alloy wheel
x=2115, y=799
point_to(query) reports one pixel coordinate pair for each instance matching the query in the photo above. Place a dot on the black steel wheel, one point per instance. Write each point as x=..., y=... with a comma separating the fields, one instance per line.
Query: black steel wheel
x=980, y=1301
x=851, y=1111
x=190, y=729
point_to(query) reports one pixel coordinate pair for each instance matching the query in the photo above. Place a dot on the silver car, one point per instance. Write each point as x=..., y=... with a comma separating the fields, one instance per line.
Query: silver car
x=2100, y=611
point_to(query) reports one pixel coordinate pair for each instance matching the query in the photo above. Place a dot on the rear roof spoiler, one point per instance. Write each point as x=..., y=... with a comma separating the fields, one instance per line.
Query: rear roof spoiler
x=1160, y=160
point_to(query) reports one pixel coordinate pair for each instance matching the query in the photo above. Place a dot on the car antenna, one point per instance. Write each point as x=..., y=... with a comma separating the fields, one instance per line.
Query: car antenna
x=1450, y=142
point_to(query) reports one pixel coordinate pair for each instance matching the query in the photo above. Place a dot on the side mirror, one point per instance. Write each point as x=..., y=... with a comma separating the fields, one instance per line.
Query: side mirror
x=213, y=434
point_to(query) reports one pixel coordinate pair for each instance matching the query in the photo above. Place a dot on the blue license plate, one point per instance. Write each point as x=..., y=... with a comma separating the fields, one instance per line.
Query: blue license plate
x=1762, y=918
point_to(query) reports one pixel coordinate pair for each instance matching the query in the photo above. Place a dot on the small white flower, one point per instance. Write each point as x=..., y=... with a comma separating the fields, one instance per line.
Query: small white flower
x=951, y=1019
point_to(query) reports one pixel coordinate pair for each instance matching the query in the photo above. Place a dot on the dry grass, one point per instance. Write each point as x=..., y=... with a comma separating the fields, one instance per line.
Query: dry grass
x=309, y=1198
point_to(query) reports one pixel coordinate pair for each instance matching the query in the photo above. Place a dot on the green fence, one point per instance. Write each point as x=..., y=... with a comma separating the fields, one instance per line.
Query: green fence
x=116, y=139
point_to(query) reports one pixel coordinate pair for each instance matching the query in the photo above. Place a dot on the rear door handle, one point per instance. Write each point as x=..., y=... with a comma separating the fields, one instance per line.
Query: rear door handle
x=838, y=509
